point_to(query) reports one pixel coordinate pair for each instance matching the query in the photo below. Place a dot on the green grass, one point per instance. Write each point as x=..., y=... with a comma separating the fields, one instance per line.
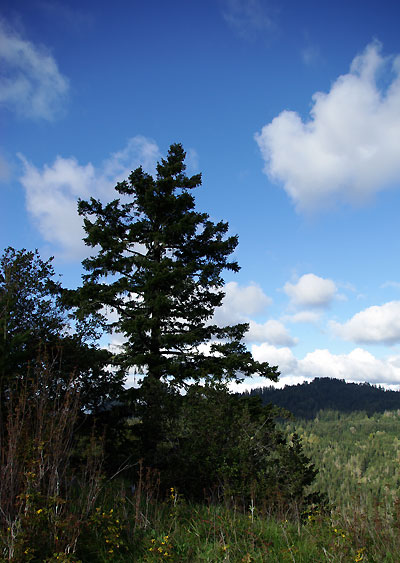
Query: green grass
x=174, y=530
x=141, y=527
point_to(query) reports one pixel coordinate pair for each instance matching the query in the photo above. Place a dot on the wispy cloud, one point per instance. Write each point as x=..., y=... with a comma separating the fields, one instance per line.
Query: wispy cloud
x=311, y=317
x=393, y=284
x=192, y=161
x=61, y=13
x=310, y=55
x=348, y=150
x=30, y=82
x=247, y=17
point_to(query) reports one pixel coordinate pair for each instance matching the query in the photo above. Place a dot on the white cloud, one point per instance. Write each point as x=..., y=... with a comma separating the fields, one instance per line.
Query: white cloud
x=51, y=199
x=52, y=193
x=255, y=382
x=247, y=17
x=377, y=324
x=271, y=331
x=348, y=150
x=30, y=82
x=311, y=291
x=139, y=151
x=358, y=365
x=281, y=357
x=240, y=303
x=304, y=317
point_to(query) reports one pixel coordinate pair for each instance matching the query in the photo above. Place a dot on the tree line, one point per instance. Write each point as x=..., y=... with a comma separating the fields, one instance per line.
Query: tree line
x=305, y=400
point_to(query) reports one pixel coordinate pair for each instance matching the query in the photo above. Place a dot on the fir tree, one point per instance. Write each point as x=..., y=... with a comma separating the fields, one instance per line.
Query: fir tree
x=158, y=268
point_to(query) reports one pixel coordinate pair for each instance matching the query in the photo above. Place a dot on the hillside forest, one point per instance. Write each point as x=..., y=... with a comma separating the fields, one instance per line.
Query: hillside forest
x=305, y=400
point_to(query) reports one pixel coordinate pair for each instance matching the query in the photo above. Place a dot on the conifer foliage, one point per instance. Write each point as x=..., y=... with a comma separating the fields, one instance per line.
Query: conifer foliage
x=158, y=269
x=35, y=330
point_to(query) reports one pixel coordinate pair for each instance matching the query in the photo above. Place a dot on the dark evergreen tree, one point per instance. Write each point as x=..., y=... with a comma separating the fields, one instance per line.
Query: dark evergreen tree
x=229, y=446
x=158, y=267
x=28, y=314
x=27, y=307
x=35, y=329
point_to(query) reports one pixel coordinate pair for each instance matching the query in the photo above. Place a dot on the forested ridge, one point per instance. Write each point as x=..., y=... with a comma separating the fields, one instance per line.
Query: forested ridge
x=357, y=455
x=350, y=431
x=305, y=400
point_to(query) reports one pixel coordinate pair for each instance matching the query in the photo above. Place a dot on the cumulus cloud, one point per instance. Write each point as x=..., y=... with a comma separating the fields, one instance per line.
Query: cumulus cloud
x=348, y=149
x=271, y=331
x=358, y=365
x=52, y=192
x=240, y=302
x=311, y=291
x=30, y=82
x=281, y=357
x=377, y=324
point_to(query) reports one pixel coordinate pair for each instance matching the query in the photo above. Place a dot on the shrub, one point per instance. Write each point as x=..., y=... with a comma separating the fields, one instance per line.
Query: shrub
x=43, y=499
x=228, y=447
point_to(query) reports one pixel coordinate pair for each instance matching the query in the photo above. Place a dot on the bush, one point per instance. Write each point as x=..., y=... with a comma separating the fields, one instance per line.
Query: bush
x=227, y=447
x=43, y=499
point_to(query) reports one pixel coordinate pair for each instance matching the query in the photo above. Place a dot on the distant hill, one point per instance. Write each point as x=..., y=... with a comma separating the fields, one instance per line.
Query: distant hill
x=305, y=400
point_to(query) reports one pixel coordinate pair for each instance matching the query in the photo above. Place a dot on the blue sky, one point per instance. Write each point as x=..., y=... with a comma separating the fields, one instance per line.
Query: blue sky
x=290, y=110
